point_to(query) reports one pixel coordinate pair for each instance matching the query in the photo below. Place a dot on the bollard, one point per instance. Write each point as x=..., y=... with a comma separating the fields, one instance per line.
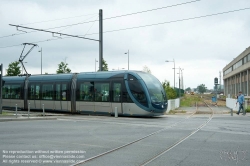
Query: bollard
x=43, y=109
x=29, y=111
x=116, y=112
x=231, y=112
x=16, y=110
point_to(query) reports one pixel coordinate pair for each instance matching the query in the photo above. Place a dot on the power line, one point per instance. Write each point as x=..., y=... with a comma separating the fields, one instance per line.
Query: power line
x=186, y=19
x=58, y=19
x=36, y=31
x=184, y=3
x=150, y=10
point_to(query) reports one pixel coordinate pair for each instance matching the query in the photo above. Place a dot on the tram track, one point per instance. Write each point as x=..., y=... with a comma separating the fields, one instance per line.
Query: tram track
x=135, y=141
x=165, y=150
x=181, y=140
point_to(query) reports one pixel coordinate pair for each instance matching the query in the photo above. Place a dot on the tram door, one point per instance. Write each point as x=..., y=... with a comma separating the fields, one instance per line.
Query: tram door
x=61, y=97
x=116, y=97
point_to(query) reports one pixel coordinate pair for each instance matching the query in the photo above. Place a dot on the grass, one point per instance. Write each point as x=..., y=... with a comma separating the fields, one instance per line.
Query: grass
x=190, y=100
x=5, y=113
x=248, y=109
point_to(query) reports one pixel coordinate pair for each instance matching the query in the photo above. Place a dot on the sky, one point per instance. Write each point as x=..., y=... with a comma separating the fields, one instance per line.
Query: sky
x=200, y=47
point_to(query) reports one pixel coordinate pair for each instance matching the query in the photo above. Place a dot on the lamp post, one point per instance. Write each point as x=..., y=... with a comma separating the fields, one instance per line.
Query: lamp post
x=182, y=86
x=128, y=58
x=174, y=70
x=95, y=64
x=41, y=60
x=180, y=70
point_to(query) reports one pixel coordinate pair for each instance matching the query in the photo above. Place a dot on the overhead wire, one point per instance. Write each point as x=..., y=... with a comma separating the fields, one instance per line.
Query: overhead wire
x=58, y=19
x=35, y=31
x=184, y=3
x=186, y=19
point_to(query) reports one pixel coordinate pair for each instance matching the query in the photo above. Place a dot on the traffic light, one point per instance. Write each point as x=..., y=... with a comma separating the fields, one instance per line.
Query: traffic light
x=215, y=81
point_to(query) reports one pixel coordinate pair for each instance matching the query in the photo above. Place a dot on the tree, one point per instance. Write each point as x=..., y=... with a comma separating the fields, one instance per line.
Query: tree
x=201, y=88
x=171, y=93
x=188, y=89
x=13, y=69
x=63, y=68
x=104, y=66
x=146, y=69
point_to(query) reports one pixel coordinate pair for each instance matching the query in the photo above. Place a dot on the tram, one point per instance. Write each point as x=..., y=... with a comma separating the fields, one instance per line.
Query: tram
x=133, y=93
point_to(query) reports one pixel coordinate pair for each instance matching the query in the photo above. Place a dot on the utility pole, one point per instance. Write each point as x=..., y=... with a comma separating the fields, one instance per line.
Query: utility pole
x=100, y=40
x=1, y=79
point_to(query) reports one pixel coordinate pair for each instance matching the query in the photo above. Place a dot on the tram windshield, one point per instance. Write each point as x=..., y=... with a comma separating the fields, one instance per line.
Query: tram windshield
x=156, y=91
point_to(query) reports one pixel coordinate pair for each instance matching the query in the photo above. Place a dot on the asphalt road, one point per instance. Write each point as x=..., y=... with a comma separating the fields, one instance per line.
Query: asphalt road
x=180, y=139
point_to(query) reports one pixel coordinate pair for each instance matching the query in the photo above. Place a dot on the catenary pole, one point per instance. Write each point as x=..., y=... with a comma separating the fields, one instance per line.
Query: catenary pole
x=100, y=40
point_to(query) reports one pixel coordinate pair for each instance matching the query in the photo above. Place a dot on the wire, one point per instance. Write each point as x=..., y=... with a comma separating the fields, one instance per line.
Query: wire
x=58, y=19
x=231, y=11
x=36, y=31
x=186, y=19
x=107, y=18
x=184, y=3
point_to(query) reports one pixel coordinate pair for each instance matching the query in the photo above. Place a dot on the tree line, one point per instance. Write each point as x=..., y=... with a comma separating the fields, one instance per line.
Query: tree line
x=14, y=68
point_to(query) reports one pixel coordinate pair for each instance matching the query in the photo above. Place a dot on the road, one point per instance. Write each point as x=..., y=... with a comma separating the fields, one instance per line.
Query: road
x=180, y=139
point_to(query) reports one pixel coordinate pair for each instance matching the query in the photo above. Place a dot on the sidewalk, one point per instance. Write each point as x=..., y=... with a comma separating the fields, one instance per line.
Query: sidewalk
x=23, y=116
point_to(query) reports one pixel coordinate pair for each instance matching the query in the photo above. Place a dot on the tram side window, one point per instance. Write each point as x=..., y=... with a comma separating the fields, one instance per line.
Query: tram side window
x=125, y=96
x=11, y=92
x=64, y=92
x=101, y=92
x=34, y=92
x=86, y=91
x=137, y=90
x=47, y=91
x=61, y=92
x=58, y=91
x=6, y=92
x=117, y=92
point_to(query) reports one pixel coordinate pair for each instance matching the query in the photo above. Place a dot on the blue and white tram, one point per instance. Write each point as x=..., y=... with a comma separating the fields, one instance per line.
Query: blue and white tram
x=134, y=93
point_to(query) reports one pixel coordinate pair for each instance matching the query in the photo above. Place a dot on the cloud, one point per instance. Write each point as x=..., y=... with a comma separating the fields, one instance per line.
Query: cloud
x=201, y=46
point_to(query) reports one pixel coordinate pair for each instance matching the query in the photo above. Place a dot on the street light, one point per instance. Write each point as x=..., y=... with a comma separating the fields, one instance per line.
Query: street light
x=95, y=64
x=180, y=70
x=41, y=60
x=128, y=58
x=182, y=86
x=174, y=70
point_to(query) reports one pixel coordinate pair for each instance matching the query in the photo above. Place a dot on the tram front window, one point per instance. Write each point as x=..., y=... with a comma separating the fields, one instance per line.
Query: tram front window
x=156, y=91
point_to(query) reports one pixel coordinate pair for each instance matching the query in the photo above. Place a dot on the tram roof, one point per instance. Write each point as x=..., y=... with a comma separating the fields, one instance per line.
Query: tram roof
x=48, y=77
x=104, y=74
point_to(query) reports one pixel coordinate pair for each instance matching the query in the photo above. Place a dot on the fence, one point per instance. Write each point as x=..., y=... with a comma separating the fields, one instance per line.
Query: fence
x=231, y=103
x=173, y=104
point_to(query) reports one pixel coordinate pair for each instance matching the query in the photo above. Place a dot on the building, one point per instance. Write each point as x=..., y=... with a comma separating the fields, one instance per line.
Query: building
x=236, y=75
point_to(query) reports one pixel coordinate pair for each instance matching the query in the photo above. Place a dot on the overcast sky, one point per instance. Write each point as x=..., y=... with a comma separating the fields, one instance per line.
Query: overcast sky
x=202, y=47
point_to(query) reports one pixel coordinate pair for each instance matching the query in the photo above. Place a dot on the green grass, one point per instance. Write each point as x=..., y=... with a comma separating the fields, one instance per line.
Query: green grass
x=189, y=100
x=248, y=109
x=5, y=113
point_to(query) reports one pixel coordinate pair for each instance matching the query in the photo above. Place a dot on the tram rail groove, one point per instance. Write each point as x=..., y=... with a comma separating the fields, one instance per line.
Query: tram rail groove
x=182, y=139
x=130, y=143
